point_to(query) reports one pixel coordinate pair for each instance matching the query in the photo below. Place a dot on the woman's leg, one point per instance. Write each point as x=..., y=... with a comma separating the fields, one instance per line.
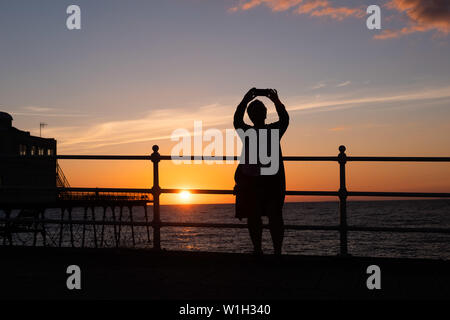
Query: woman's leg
x=255, y=229
x=276, y=226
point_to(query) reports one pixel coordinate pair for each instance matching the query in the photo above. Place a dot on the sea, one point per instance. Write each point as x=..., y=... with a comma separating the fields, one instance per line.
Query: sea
x=398, y=213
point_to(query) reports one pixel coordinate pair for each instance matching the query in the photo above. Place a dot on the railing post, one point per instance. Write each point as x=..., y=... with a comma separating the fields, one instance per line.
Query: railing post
x=156, y=191
x=342, y=159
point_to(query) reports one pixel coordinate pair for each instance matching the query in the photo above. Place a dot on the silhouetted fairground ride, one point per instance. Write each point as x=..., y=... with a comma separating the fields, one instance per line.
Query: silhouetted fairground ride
x=34, y=220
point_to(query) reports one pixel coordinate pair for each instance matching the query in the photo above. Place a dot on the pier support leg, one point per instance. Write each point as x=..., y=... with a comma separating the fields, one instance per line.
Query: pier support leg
x=130, y=211
x=113, y=212
x=120, y=225
x=102, y=235
x=84, y=227
x=146, y=221
x=61, y=226
x=42, y=226
x=71, y=227
x=94, y=226
x=34, y=225
x=7, y=231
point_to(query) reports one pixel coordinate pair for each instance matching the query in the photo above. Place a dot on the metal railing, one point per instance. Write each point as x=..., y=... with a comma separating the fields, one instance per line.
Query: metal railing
x=342, y=193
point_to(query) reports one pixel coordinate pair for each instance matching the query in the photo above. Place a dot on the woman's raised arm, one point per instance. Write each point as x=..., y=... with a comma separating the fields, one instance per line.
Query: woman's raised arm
x=240, y=110
x=283, y=115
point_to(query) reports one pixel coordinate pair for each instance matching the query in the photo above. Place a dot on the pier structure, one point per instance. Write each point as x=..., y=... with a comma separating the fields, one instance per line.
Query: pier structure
x=32, y=181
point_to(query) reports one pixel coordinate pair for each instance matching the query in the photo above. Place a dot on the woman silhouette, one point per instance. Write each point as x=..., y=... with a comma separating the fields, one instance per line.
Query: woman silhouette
x=260, y=195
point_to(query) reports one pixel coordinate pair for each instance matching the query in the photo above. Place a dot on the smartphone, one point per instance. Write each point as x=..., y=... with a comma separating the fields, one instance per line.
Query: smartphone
x=262, y=92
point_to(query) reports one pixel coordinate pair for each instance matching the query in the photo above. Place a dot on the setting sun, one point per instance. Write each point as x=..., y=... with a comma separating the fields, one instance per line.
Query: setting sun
x=185, y=195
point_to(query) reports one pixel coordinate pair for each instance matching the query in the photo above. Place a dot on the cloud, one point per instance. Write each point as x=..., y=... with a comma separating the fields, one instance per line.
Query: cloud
x=274, y=5
x=342, y=102
x=323, y=84
x=319, y=85
x=323, y=8
x=422, y=15
x=313, y=8
x=155, y=125
x=343, y=84
x=38, y=109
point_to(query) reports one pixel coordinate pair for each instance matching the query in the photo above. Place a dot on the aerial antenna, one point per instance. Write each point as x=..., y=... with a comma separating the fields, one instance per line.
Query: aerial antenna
x=41, y=125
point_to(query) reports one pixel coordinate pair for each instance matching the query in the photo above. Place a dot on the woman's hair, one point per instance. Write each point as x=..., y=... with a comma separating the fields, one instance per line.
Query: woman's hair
x=257, y=111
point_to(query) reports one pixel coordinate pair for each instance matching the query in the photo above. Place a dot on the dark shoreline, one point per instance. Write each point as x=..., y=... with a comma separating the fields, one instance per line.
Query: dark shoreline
x=40, y=273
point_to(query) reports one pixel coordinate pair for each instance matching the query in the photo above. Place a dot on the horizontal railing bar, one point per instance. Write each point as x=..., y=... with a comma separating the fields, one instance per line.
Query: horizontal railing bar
x=205, y=158
x=76, y=157
x=198, y=191
x=149, y=191
x=227, y=225
x=399, y=194
x=219, y=191
x=312, y=193
x=103, y=157
x=310, y=158
x=209, y=191
x=188, y=157
x=399, y=159
x=399, y=229
x=233, y=158
x=161, y=224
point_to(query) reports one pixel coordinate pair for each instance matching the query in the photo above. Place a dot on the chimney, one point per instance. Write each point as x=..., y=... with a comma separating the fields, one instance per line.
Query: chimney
x=5, y=120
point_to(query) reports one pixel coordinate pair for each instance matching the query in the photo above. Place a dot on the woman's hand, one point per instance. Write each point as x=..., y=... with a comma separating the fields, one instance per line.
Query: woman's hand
x=250, y=95
x=273, y=95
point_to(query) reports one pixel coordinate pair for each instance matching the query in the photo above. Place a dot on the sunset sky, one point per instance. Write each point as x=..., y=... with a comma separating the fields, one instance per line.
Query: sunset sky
x=137, y=70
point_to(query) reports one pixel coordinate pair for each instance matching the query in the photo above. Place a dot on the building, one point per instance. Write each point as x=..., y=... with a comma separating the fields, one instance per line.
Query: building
x=26, y=161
